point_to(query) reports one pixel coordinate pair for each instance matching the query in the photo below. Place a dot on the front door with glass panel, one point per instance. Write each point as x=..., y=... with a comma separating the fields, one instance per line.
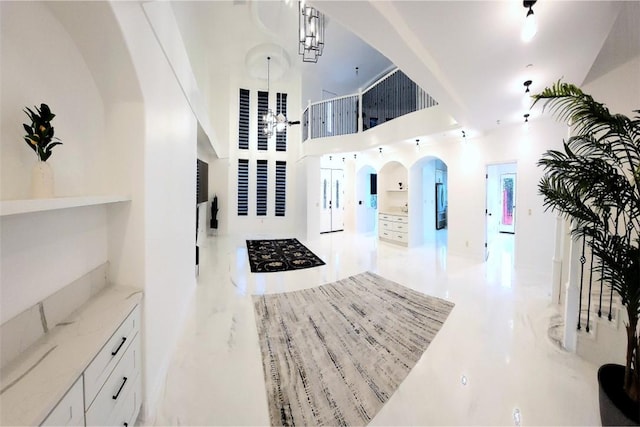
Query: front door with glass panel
x=332, y=200
x=508, y=203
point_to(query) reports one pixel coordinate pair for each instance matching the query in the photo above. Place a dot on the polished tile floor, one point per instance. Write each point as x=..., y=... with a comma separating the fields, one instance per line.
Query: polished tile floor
x=492, y=362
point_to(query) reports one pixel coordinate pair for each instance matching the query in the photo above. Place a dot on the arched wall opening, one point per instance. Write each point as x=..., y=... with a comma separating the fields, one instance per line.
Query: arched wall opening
x=392, y=188
x=428, y=202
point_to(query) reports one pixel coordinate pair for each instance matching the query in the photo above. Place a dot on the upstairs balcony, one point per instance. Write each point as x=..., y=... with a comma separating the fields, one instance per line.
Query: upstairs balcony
x=393, y=96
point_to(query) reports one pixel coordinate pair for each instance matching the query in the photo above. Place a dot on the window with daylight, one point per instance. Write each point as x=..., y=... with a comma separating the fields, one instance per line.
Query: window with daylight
x=281, y=107
x=281, y=186
x=243, y=187
x=261, y=188
x=243, y=120
x=263, y=108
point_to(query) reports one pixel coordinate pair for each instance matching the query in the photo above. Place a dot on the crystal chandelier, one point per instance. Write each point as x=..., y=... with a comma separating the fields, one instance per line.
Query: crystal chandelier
x=311, y=33
x=272, y=123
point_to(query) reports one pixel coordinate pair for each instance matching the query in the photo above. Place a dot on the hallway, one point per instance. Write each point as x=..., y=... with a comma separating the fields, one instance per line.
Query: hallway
x=491, y=363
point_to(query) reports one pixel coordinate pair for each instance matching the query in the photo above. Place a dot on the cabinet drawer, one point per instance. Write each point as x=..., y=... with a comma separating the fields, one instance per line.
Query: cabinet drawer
x=400, y=218
x=400, y=237
x=384, y=217
x=70, y=409
x=385, y=225
x=126, y=413
x=117, y=387
x=400, y=226
x=385, y=234
x=100, y=368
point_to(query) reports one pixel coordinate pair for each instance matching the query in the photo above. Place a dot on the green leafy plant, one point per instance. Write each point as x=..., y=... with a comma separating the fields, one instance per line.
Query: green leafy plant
x=39, y=135
x=595, y=182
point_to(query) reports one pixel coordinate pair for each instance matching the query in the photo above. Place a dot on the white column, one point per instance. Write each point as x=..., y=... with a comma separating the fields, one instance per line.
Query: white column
x=572, y=301
x=556, y=268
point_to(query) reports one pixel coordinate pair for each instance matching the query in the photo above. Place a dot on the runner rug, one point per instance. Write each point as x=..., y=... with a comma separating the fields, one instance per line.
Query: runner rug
x=334, y=354
x=280, y=255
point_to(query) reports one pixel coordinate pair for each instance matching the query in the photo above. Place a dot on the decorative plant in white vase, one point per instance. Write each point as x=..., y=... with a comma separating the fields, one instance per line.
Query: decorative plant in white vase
x=40, y=138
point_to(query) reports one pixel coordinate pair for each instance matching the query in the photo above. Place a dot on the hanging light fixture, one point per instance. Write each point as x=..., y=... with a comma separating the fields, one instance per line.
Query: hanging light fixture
x=417, y=145
x=311, y=33
x=526, y=122
x=380, y=151
x=530, y=27
x=271, y=122
x=526, y=100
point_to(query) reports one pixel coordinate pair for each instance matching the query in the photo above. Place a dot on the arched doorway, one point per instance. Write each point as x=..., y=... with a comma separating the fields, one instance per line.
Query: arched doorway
x=366, y=199
x=428, y=202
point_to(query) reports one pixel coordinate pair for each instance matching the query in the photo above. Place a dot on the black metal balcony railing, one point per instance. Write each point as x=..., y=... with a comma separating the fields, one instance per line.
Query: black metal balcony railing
x=592, y=291
x=392, y=96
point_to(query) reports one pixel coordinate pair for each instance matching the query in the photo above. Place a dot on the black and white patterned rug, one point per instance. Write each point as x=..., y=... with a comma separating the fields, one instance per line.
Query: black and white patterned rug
x=280, y=255
x=334, y=354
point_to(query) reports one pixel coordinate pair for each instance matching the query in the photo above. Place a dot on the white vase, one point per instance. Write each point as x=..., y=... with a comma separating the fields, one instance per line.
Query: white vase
x=42, y=181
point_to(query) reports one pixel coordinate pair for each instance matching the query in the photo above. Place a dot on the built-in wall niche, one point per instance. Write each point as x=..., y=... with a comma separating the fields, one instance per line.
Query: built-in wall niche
x=393, y=181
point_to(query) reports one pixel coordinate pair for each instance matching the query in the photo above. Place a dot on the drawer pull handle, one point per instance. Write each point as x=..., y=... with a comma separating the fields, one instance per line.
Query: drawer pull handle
x=124, y=380
x=113, y=353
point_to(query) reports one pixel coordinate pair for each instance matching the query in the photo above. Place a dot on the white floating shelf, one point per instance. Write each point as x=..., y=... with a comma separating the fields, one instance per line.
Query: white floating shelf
x=404, y=190
x=16, y=207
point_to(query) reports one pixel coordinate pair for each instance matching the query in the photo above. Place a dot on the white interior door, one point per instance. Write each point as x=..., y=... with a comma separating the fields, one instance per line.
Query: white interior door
x=337, y=200
x=325, y=200
x=507, y=203
x=493, y=206
x=332, y=203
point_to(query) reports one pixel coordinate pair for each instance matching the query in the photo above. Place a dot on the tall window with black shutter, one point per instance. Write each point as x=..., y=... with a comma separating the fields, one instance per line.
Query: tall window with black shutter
x=263, y=107
x=261, y=188
x=243, y=187
x=281, y=187
x=281, y=107
x=243, y=120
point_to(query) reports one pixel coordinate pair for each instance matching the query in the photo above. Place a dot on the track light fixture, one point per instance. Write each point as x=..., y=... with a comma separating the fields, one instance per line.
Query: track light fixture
x=380, y=151
x=530, y=26
x=417, y=145
x=526, y=118
x=464, y=135
x=527, y=83
x=355, y=156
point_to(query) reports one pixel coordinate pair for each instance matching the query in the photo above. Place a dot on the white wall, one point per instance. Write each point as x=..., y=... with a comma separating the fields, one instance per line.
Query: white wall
x=466, y=166
x=253, y=224
x=32, y=74
x=619, y=89
x=169, y=206
x=43, y=252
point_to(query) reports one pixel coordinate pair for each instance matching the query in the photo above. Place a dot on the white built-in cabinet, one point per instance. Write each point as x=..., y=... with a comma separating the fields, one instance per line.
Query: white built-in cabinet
x=108, y=392
x=394, y=228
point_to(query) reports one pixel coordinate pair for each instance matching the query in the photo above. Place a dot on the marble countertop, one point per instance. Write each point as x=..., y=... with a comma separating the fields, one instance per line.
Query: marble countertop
x=34, y=383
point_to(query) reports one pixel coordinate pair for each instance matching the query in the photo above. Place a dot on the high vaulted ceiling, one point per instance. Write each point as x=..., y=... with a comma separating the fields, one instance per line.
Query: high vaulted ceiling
x=467, y=54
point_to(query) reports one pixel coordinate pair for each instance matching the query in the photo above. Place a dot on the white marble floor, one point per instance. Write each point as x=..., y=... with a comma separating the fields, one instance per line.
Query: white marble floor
x=492, y=362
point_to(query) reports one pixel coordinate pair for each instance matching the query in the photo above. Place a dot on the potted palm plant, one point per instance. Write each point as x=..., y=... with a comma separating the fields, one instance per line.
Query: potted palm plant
x=595, y=183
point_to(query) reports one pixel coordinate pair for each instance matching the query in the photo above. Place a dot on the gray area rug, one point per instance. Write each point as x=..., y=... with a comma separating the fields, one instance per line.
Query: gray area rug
x=334, y=354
